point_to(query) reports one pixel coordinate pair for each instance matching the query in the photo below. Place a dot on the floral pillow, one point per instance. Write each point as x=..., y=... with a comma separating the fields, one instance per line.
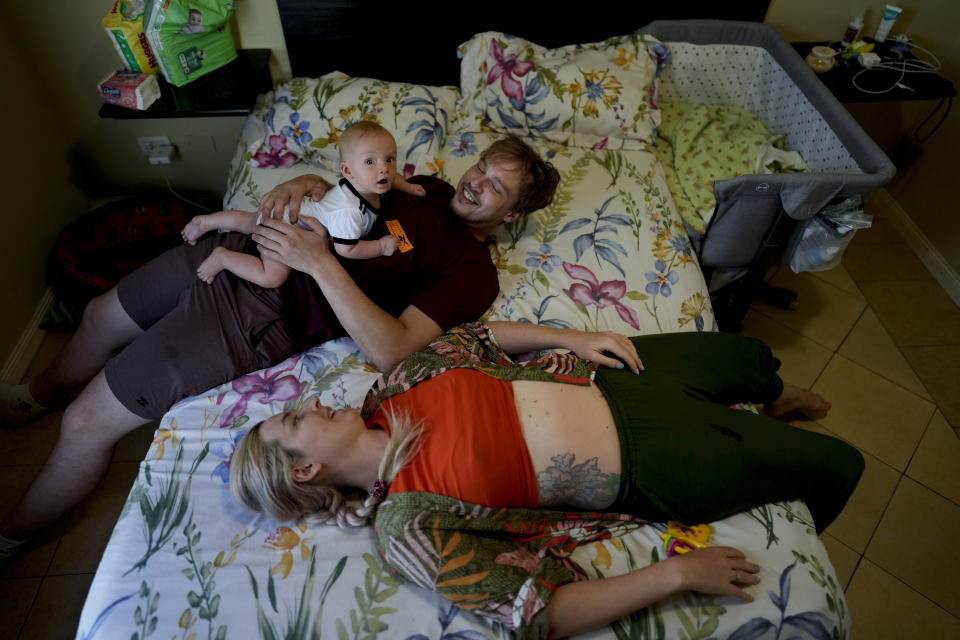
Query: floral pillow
x=590, y=95
x=309, y=114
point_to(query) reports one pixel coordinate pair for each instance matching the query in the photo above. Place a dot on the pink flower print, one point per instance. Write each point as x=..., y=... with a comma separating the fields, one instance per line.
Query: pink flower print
x=277, y=157
x=601, y=294
x=602, y=144
x=505, y=69
x=408, y=169
x=270, y=386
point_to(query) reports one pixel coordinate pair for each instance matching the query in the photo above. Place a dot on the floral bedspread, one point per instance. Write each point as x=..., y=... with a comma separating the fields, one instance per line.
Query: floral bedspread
x=610, y=253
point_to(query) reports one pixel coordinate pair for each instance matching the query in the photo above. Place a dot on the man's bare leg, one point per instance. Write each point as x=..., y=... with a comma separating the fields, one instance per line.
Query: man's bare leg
x=793, y=399
x=105, y=329
x=92, y=425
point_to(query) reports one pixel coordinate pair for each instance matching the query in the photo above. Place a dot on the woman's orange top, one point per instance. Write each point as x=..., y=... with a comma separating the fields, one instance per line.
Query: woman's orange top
x=472, y=447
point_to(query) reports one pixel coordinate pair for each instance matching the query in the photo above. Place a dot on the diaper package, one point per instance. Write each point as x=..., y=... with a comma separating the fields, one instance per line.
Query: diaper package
x=189, y=38
x=129, y=89
x=124, y=26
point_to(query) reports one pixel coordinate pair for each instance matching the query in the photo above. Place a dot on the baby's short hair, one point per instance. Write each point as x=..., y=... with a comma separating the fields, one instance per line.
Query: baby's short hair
x=357, y=130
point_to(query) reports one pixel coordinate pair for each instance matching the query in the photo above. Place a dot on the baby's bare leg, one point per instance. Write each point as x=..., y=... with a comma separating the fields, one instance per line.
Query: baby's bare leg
x=265, y=273
x=229, y=220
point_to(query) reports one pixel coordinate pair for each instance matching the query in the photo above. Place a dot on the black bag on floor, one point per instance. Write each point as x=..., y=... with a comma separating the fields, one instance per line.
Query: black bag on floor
x=102, y=246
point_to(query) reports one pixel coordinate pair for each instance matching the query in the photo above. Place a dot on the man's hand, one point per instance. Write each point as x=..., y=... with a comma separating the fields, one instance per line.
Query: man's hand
x=298, y=248
x=291, y=194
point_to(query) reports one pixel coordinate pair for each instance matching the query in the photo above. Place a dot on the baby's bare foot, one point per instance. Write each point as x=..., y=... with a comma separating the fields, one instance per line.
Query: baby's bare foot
x=213, y=265
x=797, y=399
x=195, y=228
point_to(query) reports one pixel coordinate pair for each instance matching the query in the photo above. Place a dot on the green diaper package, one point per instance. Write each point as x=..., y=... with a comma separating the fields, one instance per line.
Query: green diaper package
x=189, y=38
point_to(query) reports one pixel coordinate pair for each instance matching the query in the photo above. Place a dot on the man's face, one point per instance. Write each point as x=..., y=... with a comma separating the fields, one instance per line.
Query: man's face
x=487, y=193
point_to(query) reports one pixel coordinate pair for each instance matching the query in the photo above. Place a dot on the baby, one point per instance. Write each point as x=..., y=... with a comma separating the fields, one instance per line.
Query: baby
x=348, y=210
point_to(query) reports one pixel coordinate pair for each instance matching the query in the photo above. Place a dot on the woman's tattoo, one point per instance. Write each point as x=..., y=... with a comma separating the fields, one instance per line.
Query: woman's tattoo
x=583, y=485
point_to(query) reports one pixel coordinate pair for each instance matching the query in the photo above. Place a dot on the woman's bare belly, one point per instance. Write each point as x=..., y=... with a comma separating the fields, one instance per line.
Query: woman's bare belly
x=572, y=441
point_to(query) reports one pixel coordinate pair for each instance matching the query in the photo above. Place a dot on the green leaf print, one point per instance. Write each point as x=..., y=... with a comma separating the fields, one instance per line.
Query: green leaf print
x=378, y=586
x=300, y=623
x=162, y=516
x=550, y=218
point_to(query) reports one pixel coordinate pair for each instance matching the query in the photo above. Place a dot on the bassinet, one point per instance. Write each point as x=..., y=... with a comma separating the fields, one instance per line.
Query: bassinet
x=758, y=219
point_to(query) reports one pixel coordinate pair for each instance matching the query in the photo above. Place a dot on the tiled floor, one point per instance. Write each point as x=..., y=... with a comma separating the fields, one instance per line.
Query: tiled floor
x=877, y=336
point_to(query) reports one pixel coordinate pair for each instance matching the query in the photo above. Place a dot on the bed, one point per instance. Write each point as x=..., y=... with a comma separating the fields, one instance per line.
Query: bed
x=611, y=253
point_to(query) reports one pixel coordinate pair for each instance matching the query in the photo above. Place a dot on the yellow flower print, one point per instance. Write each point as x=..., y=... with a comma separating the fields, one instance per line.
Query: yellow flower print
x=692, y=309
x=287, y=540
x=436, y=166
x=598, y=86
x=163, y=435
x=603, y=559
x=623, y=58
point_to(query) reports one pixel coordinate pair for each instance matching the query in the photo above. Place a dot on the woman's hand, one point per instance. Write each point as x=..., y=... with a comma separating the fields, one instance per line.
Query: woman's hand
x=606, y=348
x=291, y=194
x=717, y=570
x=298, y=248
x=586, y=605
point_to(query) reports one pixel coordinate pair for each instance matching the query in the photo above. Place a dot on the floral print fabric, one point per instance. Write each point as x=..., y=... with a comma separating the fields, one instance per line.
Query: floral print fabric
x=308, y=115
x=599, y=94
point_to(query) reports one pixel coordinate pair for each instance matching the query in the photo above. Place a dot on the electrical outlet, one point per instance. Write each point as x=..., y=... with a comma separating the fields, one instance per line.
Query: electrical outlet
x=149, y=144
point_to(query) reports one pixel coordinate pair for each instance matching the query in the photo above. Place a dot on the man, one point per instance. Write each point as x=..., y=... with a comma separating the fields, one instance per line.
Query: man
x=162, y=335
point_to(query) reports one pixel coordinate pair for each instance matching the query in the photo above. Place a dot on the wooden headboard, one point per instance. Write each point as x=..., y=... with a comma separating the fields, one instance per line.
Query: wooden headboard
x=417, y=41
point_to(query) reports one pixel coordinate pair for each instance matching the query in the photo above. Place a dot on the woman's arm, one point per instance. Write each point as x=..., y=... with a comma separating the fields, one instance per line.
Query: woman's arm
x=519, y=337
x=578, y=607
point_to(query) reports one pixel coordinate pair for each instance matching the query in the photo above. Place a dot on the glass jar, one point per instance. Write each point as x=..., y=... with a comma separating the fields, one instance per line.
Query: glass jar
x=821, y=59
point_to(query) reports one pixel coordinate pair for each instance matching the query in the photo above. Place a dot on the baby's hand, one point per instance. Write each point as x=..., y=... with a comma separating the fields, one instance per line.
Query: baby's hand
x=418, y=190
x=388, y=244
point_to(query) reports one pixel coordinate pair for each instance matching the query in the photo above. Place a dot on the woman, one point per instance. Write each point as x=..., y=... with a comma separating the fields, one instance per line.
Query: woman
x=476, y=450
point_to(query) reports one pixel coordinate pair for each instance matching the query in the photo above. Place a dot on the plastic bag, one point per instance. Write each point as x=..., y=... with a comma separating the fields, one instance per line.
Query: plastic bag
x=827, y=234
x=189, y=38
x=124, y=26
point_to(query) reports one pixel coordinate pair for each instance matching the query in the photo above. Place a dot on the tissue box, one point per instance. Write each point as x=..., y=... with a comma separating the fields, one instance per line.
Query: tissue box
x=130, y=90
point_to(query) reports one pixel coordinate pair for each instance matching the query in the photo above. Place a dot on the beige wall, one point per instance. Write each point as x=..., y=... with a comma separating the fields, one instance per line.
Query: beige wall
x=53, y=61
x=38, y=198
x=926, y=181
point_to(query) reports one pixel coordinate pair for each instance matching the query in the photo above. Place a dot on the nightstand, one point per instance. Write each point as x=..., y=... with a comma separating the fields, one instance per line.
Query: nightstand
x=839, y=80
x=231, y=90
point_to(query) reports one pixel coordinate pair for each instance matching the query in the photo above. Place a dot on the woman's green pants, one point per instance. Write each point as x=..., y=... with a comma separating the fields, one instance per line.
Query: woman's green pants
x=688, y=456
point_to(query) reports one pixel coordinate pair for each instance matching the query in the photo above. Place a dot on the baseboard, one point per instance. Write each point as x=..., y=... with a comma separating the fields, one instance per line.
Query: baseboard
x=933, y=260
x=26, y=348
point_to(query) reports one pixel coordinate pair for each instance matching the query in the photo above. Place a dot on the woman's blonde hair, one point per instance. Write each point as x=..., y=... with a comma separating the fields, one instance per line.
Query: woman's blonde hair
x=261, y=478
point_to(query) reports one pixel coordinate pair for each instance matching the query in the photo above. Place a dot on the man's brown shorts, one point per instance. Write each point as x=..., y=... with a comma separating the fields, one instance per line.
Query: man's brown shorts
x=196, y=336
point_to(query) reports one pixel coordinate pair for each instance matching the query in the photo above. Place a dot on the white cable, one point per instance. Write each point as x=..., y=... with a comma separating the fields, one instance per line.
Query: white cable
x=903, y=66
x=196, y=204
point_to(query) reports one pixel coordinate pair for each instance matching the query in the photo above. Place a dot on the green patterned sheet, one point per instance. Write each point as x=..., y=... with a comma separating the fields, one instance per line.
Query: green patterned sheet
x=699, y=144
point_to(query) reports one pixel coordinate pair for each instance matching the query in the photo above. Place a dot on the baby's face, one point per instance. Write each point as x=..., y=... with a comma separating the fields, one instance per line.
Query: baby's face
x=370, y=163
x=196, y=18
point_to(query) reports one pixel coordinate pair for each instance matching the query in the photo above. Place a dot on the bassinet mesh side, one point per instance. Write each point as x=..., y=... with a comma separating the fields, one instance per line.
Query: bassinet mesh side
x=750, y=78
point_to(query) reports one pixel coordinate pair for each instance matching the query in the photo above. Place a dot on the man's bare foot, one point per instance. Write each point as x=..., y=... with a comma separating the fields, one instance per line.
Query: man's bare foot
x=797, y=399
x=196, y=228
x=214, y=264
